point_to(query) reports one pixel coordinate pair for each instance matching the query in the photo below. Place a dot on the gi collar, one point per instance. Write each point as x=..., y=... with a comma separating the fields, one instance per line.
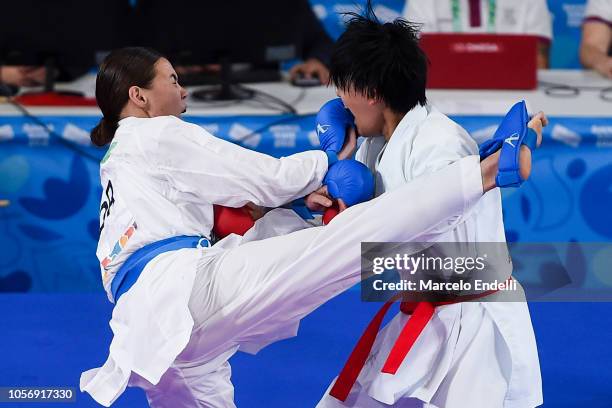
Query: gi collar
x=410, y=120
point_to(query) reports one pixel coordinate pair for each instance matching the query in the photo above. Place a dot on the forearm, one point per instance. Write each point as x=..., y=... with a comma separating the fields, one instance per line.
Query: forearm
x=543, y=55
x=591, y=56
x=596, y=38
x=294, y=177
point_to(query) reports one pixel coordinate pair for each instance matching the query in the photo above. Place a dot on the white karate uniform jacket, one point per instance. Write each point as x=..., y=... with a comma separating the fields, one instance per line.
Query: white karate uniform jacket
x=476, y=354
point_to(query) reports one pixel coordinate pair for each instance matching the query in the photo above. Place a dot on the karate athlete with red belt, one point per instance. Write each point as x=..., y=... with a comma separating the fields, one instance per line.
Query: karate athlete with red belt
x=478, y=354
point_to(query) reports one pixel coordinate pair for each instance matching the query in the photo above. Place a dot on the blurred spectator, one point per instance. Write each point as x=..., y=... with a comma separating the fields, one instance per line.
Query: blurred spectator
x=596, y=46
x=314, y=52
x=485, y=16
x=316, y=48
x=19, y=76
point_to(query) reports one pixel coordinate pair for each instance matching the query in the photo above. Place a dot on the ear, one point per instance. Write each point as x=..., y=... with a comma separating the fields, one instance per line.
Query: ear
x=373, y=101
x=138, y=97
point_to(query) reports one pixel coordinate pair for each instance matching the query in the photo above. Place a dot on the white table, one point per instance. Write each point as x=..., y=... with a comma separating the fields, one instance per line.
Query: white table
x=451, y=102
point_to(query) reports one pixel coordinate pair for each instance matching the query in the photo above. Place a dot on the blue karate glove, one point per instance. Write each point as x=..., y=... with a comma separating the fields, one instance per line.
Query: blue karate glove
x=351, y=181
x=333, y=121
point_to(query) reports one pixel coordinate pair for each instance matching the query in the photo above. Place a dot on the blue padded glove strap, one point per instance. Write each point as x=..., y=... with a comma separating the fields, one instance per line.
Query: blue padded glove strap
x=531, y=139
x=299, y=206
x=332, y=158
x=508, y=178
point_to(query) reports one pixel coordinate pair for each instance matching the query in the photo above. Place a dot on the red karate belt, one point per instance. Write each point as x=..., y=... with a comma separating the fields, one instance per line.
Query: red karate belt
x=421, y=312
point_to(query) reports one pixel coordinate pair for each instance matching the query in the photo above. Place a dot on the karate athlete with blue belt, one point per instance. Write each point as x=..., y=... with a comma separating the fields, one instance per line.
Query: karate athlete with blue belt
x=184, y=307
x=477, y=354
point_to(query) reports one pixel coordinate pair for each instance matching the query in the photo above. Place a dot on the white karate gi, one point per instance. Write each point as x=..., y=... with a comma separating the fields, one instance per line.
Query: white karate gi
x=191, y=309
x=476, y=354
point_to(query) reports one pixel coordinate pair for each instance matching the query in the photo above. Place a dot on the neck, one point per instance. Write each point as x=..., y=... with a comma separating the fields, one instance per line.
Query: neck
x=133, y=111
x=391, y=119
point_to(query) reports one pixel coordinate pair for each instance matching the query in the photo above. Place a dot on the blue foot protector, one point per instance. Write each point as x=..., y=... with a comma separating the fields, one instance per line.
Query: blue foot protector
x=511, y=134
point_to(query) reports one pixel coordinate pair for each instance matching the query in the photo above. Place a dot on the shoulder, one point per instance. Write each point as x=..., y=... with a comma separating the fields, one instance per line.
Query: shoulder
x=440, y=132
x=601, y=9
x=170, y=131
x=147, y=137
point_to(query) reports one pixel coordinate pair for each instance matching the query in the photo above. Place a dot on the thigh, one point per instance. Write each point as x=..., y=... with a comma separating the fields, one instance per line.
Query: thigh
x=260, y=290
x=480, y=370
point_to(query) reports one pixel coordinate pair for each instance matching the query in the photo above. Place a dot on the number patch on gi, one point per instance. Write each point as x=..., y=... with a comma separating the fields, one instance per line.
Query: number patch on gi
x=106, y=205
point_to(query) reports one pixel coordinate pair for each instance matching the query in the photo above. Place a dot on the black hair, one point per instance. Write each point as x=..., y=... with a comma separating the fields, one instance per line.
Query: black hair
x=381, y=61
x=120, y=70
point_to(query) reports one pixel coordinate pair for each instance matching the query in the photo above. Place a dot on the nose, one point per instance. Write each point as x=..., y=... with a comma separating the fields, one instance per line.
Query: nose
x=184, y=93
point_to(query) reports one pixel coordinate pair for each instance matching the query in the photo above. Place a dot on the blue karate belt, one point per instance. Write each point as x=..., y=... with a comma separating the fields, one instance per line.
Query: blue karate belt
x=132, y=268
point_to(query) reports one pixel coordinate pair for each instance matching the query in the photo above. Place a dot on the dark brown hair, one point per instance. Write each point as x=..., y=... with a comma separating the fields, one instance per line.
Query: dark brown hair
x=121, y=69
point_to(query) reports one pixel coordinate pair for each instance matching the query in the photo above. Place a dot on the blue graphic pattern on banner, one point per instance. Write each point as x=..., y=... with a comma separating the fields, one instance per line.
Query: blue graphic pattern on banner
x=48, y=233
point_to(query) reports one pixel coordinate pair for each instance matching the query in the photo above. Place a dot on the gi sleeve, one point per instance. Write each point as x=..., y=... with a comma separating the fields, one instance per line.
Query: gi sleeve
x=598, y=10
x=219, y=172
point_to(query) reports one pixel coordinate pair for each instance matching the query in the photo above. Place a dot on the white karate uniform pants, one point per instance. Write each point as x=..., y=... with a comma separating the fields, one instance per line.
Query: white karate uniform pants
x=256, y=293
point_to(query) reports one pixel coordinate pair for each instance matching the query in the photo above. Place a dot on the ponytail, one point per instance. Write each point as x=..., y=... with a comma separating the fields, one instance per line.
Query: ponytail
x=104, y=132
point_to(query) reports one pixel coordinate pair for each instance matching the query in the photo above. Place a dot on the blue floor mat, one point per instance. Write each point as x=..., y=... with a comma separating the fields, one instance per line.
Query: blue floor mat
x=48, y=339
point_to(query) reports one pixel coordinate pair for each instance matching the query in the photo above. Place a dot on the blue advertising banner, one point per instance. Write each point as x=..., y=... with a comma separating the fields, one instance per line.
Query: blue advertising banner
x=48, y=230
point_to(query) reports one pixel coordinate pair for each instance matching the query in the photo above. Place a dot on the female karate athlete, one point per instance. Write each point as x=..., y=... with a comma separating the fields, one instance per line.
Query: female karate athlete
x=183, y=307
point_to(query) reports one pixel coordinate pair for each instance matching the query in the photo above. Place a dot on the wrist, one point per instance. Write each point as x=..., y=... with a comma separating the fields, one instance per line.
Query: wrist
x=599, y=60
x=332, y=158
x=301, y=209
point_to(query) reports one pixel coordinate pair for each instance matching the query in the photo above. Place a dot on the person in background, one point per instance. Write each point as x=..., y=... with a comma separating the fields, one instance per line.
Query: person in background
x=596, y=45
x=316, y=49
x=485, y=16
x=22, y=75
x=313, y=53
x=14, y=77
